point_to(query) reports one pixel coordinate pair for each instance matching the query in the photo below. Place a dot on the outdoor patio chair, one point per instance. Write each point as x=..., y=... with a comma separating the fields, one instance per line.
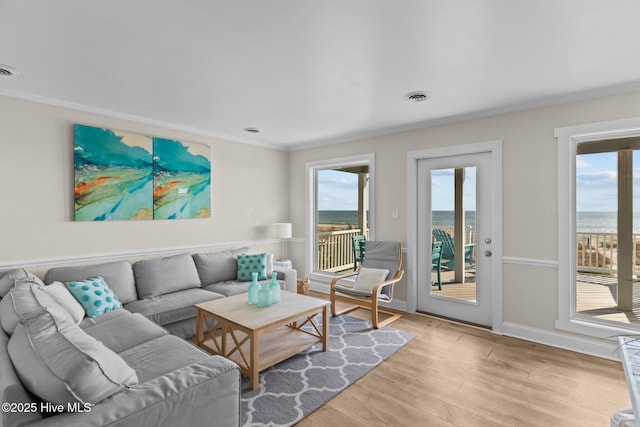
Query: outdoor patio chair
x=436, y=262
x=448, y=253
x=372, y=284
x=358, y=241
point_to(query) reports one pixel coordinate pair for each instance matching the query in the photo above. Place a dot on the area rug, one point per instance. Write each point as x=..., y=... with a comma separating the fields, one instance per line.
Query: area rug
x=291, y=390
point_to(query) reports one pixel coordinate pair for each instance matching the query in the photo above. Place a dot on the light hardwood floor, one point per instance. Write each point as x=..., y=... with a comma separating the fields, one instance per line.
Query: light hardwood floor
x=457, y=375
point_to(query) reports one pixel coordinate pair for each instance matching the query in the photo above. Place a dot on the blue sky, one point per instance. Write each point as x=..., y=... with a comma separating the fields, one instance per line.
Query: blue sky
x=596, y=186
x=597, y=182
x=443, y=187
x=339, y=190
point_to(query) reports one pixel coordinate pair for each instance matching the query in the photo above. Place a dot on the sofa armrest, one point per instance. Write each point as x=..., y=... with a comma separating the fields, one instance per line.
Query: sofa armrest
x=290, y=277
x=205, y=393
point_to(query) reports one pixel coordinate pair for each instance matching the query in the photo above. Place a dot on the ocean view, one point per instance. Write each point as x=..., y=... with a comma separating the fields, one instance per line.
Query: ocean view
x=593, y=222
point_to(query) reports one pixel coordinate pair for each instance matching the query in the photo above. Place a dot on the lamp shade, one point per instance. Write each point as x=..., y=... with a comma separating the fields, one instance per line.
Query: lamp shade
x=282, y=230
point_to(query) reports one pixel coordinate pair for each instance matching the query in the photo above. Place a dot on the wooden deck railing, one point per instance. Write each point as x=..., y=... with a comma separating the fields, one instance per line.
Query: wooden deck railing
x=335, y=250
x=598, y=253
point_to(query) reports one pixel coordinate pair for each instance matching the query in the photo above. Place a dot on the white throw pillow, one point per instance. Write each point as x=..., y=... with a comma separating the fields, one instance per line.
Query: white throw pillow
x=369, y=277
x=60, y=294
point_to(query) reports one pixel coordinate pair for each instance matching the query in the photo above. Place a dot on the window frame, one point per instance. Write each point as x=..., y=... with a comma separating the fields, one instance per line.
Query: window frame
x=312, y=205
x=568, y=139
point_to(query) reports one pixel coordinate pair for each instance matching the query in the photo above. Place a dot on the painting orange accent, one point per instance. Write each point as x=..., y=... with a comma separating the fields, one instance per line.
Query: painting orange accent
x=83, y=187
x=159, y=190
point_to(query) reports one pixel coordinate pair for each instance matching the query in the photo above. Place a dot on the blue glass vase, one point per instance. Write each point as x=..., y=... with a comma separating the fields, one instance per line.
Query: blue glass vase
x=274, y=288
x=264, y=296
x=254, y=287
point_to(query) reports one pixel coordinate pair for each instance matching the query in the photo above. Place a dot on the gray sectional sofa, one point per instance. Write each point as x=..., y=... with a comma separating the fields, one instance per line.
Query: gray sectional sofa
x=130, y=366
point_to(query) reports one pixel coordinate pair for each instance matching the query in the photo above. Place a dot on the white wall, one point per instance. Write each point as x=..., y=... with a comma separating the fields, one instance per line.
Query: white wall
x=249, y=191
x=530, y=203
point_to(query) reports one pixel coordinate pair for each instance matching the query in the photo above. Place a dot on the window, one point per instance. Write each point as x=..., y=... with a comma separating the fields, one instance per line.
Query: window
x=596, y=237
x=339, y=197
x=606, y=234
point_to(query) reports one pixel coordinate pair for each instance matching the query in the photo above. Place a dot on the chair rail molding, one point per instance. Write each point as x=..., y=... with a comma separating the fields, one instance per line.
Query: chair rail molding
x=114, y=256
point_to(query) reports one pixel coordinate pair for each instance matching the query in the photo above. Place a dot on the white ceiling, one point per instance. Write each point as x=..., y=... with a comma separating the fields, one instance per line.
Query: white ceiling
x=315, y=72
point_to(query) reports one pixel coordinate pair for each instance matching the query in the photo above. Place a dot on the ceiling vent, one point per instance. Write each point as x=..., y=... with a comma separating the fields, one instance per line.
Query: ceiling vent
x=251, y=130
x=417, y=96
x=6, y=71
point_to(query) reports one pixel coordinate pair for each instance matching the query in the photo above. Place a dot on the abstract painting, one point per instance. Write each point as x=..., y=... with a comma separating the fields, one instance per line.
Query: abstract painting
x=181, y=180
x=127, y=176
x=113, y=175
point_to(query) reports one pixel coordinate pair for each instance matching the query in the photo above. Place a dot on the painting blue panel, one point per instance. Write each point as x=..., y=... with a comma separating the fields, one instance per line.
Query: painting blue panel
x=181, y=180
x=113, y=175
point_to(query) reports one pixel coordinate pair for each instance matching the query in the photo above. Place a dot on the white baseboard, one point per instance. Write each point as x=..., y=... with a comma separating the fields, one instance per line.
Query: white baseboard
x=603, y=349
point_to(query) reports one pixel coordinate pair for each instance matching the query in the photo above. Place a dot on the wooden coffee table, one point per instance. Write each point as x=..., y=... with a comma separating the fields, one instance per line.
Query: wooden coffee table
x=257, y=338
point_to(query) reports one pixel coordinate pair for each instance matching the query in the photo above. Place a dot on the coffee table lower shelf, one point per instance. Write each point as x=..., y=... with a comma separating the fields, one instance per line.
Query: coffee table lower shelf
x=273, y=347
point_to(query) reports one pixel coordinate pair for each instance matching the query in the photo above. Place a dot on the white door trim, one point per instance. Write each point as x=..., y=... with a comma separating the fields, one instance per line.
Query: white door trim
x=495, y=149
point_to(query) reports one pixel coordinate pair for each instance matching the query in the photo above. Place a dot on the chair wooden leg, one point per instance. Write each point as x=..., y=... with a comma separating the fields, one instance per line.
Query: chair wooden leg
x=374, y=317
x=334, y=311
x=392, y=318
x=332, y=298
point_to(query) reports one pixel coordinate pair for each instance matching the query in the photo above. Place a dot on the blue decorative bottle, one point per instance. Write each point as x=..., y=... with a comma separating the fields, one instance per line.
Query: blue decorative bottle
x=264, y=296
x=254, y=287
x=274, y=287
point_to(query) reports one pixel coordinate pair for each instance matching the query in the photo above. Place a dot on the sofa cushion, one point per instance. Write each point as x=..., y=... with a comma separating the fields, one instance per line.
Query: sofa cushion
x=60, y=294
x=15, y=276
x=160, y=356
x=14, y=306
x=248, y=264
x=173, y=307
x=95, y=296
x=12, y=390
x=164, y=275
x=124, y=332
x=90, y=321
x=119, y=276
x=229, y=288
x=219, y=266
x=8, y=317
x=56, y=360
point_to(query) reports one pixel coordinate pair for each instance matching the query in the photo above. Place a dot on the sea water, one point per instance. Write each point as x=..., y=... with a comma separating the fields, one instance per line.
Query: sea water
x=591, y=222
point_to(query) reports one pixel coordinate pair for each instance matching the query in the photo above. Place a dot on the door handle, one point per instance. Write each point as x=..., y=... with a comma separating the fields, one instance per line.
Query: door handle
x=487, y=253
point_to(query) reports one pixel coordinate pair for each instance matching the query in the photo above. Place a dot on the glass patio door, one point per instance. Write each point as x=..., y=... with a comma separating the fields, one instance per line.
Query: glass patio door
x=455, y=238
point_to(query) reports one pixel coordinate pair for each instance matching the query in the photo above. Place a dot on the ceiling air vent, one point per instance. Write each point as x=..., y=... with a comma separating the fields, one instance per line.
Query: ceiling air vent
x=417, y=96
x=6, y=71
x=251, y=130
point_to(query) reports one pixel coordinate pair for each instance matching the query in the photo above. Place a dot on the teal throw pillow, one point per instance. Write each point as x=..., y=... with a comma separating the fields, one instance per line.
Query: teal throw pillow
x=248, y=264
x=94, y=295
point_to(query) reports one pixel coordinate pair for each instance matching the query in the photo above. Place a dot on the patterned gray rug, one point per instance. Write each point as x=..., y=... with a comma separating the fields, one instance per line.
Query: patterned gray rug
x=298, y=386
